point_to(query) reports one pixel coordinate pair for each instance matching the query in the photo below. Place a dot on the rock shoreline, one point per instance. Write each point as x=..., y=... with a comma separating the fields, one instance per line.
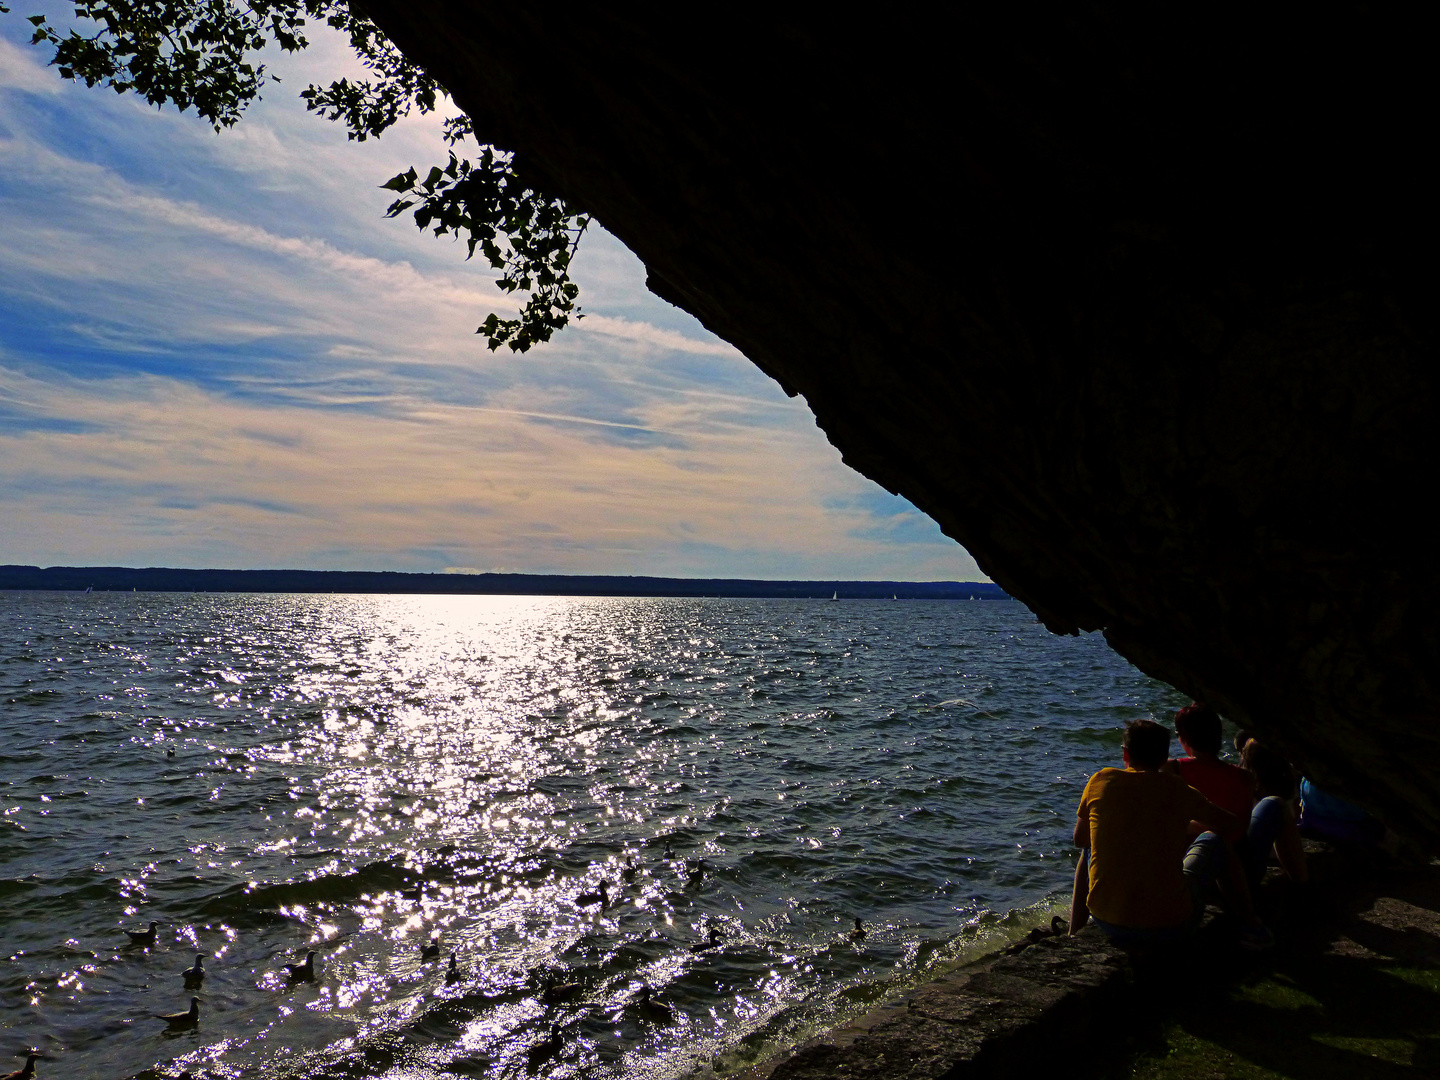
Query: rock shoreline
x=1082, y=1004
x=996, y=1016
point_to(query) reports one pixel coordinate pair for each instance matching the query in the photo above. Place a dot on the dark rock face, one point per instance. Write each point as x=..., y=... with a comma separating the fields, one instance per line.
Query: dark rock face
x=1136, y=302
x=1020, y=1015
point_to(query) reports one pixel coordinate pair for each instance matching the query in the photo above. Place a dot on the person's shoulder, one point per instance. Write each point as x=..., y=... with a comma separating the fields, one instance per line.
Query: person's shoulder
x=1100, y=779
x=1177, y=781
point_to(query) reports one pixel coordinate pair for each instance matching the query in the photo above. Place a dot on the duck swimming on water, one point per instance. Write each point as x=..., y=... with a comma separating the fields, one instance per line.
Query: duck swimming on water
x=452, y=973
x=431, y=951
x=652, y=1010
x=545, y=1049
x=628, y=874
x=585, y=899
x=143, y=937
x=196, y=975
x=557, y=993
x=696, y=874
x=712, y=940
x=302, y=972
x=25, y=1073
x=182, y=1021
x=857, y=934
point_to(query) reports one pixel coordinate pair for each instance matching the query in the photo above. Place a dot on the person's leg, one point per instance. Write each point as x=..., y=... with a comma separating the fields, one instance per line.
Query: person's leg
x=1210, y=859
x=1267, y=820
x=1203, y=864
x=1234, y=887
x=1079, y=912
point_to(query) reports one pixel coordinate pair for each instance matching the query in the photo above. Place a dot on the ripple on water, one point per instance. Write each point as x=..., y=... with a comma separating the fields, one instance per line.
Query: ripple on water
x=354, y=774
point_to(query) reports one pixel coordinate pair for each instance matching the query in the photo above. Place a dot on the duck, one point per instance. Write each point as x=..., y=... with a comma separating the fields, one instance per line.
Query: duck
x=182, y=1021
x=431, y=951
x=143, y=937
x=652, y=1010
x=302, y=972
x=170, y=752
x=602, y=897
x=713, y=939
x=628, y=874
x=25, y=1073
x=557, y=993
x=545, y=1049
x=196, y=975
x=696, y=874
x=452, y=973
x=858, y=933
x=668, y=853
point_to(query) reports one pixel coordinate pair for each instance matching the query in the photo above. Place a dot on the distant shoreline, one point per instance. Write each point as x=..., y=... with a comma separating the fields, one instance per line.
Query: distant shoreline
x=166, y=579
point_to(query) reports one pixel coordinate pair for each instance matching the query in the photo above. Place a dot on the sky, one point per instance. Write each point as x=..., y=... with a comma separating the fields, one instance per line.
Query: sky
x=216, y=352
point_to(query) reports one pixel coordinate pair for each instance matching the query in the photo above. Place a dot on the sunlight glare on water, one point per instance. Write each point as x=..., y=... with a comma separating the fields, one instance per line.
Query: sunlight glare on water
x=360, y=774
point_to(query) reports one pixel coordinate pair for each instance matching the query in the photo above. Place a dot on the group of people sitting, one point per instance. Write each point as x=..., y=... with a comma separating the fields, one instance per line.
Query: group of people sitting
x=1157, y=836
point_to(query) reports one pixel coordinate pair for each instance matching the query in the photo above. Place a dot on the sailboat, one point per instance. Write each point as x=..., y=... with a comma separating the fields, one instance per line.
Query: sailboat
x=835, y=597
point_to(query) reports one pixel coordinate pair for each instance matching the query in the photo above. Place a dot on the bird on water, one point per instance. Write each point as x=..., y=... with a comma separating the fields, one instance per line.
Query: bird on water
x=25, y=1073
x=652, y=1010
x=857, y=934
x=585, y=899
x=628, y=874
x=557, y=993
x=183, y=1021
x=143, y=937
x=545, y=1049
x=196, y=975
x=302, y=972
x=712, y=940
x=452, y=973
x=696, y=874
x=431, y=951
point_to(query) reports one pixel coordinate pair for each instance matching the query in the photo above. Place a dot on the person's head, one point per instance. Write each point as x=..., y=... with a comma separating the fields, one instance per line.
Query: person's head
x=1272, y=773
x=1147, y=744
x=1241, y=738
x=1199, y=728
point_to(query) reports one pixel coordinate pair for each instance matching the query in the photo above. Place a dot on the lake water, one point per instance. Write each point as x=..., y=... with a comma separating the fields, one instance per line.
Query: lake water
x=354, y=774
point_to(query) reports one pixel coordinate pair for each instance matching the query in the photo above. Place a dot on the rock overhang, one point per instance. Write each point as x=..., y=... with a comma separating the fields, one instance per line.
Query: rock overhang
x=1136, y=303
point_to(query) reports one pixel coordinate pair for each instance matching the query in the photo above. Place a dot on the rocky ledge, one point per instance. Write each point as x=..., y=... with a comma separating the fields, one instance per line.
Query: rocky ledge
x=1033, y=1011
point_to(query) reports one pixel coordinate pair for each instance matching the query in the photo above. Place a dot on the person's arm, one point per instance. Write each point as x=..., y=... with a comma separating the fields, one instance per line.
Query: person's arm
x=1209, y=816
x=1290, y=851
x=1079, y=907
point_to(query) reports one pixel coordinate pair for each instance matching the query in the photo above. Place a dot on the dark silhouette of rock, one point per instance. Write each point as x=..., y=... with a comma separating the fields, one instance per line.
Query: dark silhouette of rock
x=1136, y=302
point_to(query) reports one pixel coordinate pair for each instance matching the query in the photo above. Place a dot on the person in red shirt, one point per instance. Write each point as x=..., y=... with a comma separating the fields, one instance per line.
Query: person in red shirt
x=1257, y=794
x=1227, y=786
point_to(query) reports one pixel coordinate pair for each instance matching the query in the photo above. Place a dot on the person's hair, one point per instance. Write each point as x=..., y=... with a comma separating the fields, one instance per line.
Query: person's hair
x=1148, y=743
x=1241, y=738
x=1273, y=774
x=1199, y=726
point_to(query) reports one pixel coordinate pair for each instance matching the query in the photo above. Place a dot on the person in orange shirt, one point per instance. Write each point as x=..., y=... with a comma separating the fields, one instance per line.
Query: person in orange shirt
x=1141, y=877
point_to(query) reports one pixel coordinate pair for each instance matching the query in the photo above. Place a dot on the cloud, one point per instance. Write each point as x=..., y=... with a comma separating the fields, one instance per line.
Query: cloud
x=214, y=351
x=655, y=336
x=21, y=70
